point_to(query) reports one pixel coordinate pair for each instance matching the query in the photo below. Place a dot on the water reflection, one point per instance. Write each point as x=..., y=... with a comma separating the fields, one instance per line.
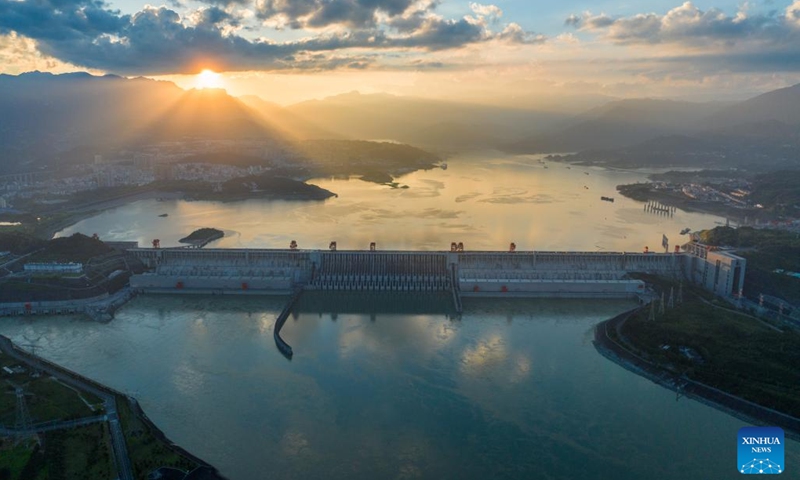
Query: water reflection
x=484, y=200
x=374, y=303
x=488, y=352
x=512, y=390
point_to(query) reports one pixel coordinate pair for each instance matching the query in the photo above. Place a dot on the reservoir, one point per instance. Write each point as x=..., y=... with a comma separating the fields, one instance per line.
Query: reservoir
x=391, y=386
x=484, y=200
x=515, y=389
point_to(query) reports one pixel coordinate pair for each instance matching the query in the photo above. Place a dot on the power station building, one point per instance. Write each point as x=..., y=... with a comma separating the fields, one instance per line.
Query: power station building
x=716, y=270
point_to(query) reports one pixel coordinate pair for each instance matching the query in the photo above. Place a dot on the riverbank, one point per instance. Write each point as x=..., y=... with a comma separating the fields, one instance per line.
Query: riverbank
x=610, y=342
x=139, y=447
x=45, y=222
x=54, y=220
x=643, y=193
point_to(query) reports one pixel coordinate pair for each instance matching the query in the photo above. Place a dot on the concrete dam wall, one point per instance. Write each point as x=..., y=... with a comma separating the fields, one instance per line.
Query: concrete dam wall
x=261, y=271
x=221, y=270
x=390, y=271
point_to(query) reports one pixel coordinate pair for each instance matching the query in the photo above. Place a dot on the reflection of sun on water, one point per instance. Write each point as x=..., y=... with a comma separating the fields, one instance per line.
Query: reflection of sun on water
x=208, y=79
x=490, y=351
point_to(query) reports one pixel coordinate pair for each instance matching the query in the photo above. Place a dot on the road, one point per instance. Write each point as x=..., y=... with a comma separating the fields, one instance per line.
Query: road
x=55, y=425
x=119, y=448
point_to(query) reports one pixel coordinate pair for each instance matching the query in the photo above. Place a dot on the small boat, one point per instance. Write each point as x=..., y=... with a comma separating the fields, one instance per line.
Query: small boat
x=607, y=199
x=685, y=231
x=164, y=215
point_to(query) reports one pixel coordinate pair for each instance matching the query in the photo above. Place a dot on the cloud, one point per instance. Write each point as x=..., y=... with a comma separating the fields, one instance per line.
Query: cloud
x=793, y=13
x=691, y=44
x=220, y=3
x=690, y=26
x=60, y=20
x=439, y=34
x=323, y=13
x=157, y=40
x=489, y=11
x=513, y=33
x=210, y=17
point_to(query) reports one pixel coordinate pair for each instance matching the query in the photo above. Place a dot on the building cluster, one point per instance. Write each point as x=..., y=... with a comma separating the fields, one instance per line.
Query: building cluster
x=165, y=161
x=206, y=172
x=734, y=193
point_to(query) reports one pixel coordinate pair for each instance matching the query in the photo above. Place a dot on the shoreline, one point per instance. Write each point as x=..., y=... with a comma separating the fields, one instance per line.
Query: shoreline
x=737, y=407
x=8, y=347
x=82, y=212
x=688, y=205
x=77, y=214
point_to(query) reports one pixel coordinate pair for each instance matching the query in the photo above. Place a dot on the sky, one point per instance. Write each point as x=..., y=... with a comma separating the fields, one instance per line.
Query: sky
x=514, y=52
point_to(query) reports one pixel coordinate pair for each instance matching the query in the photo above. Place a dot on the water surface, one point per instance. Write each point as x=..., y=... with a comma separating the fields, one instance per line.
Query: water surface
x=392, y=387
x=484, y=200
x=515, y=389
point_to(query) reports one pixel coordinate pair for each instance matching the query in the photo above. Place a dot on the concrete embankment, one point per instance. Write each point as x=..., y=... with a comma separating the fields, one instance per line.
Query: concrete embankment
x=101, y=307
x=748, y=411
x=284, y=347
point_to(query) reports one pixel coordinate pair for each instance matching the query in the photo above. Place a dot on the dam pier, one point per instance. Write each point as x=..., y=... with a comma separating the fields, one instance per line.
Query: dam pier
x=550, y=274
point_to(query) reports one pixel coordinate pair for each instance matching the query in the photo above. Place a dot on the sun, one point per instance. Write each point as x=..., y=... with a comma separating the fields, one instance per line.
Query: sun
x=208, y=79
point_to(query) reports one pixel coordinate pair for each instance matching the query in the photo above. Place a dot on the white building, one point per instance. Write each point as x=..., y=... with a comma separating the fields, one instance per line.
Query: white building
x=54, y=267
x=716, y=270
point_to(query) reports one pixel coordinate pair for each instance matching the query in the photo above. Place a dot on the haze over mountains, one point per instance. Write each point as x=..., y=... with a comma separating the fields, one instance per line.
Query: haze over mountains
x=45, y=115
x=423, y=121
x=762, y=132
x=619, y=123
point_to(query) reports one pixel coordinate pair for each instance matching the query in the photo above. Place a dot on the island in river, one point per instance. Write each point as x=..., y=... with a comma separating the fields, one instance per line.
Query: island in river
x=203, y=236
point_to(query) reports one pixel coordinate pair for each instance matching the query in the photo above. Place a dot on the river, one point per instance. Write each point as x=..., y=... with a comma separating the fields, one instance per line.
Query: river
x=484, y=200
x=392, y=387
x=514, y=389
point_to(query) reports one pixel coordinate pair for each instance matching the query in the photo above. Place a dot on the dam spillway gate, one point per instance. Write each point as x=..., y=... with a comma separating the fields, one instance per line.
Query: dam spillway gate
x=380, y=271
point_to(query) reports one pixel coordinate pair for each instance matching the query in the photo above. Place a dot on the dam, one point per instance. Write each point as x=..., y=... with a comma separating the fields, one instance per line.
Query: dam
x=472, y=273
x=480, y=274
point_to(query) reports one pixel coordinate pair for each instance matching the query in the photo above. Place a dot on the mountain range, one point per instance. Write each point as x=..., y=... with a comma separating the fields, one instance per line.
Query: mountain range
x=619, y=123
x=45, y=115
x=759, y=133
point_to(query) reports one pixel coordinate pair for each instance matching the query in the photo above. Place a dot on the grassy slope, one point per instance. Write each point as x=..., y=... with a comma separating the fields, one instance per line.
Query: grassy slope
x=46, y=398
x=78, y=453
x=742, y=355
x=147, y=452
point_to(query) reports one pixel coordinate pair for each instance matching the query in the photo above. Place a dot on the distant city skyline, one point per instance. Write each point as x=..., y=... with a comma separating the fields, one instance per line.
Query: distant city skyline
x=503, y=52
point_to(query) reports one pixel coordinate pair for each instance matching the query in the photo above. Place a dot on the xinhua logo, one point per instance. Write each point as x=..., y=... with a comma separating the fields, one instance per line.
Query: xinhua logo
x=760, y=451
